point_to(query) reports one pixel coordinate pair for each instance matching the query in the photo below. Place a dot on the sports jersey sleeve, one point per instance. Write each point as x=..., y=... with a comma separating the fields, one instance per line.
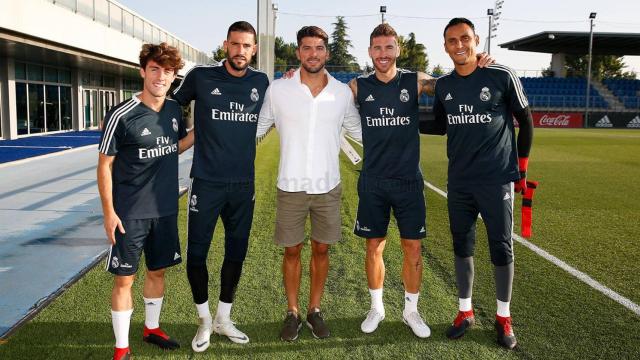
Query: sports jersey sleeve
x=266, y=117
x=517, y=97
x=112, y=134
x=186, y=91
x=182, y=127
x=351, y=122
x=439, y=125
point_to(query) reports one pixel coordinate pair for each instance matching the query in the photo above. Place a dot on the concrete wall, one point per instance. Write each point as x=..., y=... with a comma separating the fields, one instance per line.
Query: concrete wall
x=55, y=23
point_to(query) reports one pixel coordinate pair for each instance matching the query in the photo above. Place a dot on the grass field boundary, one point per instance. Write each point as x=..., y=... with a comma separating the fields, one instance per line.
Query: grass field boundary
x=626, y=302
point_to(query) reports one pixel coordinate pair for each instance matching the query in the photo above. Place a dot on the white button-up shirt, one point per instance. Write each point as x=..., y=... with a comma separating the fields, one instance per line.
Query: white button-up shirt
x=309, y=129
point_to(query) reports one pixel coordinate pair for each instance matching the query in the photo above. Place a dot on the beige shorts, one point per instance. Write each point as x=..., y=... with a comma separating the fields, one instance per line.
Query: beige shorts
x=292, y=209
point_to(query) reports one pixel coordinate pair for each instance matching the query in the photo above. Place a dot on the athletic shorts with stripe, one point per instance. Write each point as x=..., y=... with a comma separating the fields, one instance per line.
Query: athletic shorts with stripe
x=157, y=237
x=378, y=196
x=495, y=204
x=233, y=203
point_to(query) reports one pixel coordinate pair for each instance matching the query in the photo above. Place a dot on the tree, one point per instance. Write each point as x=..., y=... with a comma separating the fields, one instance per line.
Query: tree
x=285, y=55
x=437, y=71
x=602, y=66
x=340, y=59
x=219, y=54
x=413, y=55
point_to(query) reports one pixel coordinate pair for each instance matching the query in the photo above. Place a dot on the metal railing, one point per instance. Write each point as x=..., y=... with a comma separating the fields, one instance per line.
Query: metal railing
x=113, y=15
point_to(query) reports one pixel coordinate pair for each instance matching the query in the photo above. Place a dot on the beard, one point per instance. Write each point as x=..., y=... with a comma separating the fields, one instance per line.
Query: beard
x=314, y=70
x=236, y=66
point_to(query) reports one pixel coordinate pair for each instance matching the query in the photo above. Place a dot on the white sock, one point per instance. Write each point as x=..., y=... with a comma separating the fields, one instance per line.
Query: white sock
x=503, y=308
x=203, y=310
x=152, y=307
x=464, y=304
x=121, y=321
x=224, y=311
x=410, y=302
x=376, y=300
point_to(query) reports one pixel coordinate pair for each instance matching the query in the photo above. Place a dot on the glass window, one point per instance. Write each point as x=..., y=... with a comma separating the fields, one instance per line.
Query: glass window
x=36, y=108
x=85, y=7
x=64, y=76
x=108, y=81
x=65, y=107
x=70, y=4
x=127, y=23
x=148, y=29
x=86, y=78
x=21, y=71
x=96, y=80
x=115, y=14
x=51, y=74
x=138, y=28
x=102, y=11
x=22, y=108
x=52, y=109
x=34, y=72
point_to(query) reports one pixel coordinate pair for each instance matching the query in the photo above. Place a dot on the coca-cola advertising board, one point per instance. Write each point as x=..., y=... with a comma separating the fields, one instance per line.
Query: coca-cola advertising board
x=558, y=120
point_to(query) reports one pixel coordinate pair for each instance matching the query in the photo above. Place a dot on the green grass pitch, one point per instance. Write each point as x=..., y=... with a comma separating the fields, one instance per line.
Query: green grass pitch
x=586, y=213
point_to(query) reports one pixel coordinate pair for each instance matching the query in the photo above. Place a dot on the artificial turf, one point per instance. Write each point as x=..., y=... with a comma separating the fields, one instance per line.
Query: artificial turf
x=585, y=213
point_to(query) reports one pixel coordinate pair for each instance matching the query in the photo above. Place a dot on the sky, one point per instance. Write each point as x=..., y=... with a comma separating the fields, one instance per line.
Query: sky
x=204, y=24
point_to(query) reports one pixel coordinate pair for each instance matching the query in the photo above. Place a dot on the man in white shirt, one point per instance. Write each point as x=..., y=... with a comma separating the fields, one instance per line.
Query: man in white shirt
x=309, y=110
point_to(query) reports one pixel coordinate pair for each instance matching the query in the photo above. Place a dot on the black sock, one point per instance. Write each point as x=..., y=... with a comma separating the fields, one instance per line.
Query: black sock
x=229, y=278
x=199, y=280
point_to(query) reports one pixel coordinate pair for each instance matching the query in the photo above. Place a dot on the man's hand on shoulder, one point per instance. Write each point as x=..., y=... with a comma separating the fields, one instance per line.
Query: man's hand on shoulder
x=426, y=84
x=484, y=60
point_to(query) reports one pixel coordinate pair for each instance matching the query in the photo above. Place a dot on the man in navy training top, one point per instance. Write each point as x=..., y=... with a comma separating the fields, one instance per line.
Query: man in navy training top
x=475, y=107
x=391, y=176
x=228, y=98
x=138, y=182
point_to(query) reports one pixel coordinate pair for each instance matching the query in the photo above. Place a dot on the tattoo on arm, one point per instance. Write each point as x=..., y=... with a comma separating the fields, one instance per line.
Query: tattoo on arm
x=427, y=86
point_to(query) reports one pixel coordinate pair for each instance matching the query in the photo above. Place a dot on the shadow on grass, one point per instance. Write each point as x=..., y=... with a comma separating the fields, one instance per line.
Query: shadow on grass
x=95, y=340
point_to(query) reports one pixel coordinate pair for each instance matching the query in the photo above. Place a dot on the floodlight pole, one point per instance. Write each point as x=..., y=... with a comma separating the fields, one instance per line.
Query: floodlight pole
x=490, y=13
x=383, y=10
x=592, y=17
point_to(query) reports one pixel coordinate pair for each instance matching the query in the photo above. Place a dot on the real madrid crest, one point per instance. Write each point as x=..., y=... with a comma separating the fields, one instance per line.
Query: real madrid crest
x=175, y=124
x=254, y=95
x=485, y=95
x=404, y=95
x=194, y=200
x=114, y=262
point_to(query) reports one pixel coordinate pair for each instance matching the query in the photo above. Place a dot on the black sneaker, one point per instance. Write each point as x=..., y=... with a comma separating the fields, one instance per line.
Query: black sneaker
x=291, y=327
x=463, y=321
x=159, y=338
x=315, y=322
x=506, y=337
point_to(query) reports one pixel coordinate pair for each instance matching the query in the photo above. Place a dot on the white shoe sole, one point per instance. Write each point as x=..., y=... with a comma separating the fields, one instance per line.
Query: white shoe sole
x=372, y=330
x=414, y=332
x=235, y=339
x=202, y=347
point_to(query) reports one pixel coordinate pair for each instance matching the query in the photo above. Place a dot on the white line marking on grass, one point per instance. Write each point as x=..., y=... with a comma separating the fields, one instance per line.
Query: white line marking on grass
x=564, y=266
x=557, y=262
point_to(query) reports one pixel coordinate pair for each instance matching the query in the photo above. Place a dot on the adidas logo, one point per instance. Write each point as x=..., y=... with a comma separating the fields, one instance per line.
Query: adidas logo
x=506, y=196
x=448, y=97
x=370, y=98
x=634, y=123
x=422, y=230
x=176, y=256
x=145, y=132
x=604, y=122
x=216, y=92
